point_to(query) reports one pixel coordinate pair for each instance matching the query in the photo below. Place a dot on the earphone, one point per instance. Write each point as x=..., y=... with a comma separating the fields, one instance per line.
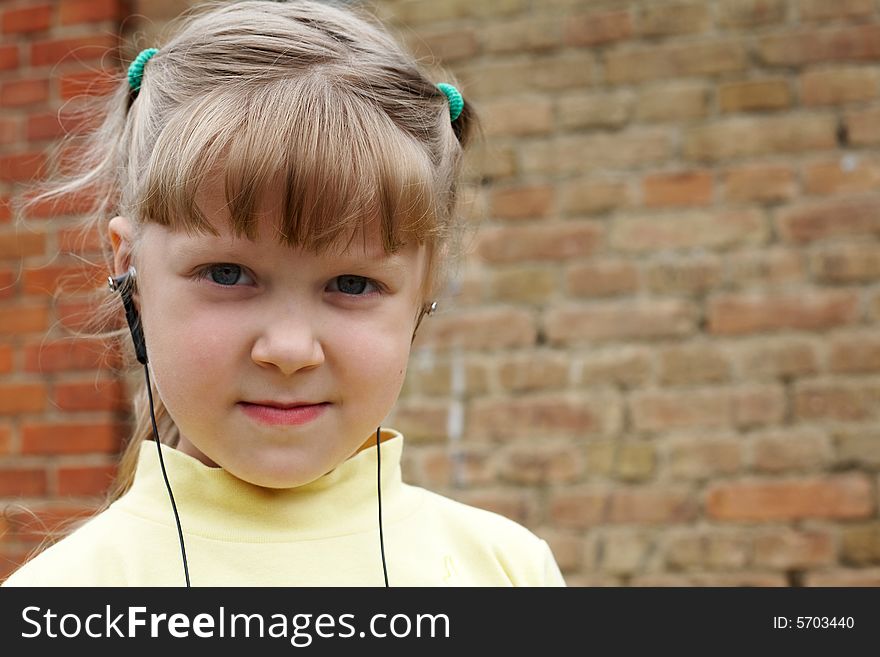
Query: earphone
x=125, y=285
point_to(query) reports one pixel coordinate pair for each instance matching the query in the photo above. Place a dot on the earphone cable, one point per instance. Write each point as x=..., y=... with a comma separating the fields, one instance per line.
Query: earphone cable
x=165, y=475
x=379, y=492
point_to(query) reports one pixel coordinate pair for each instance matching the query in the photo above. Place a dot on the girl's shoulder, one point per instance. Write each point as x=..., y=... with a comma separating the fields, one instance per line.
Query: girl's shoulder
x=85, y=557
x=491, y=539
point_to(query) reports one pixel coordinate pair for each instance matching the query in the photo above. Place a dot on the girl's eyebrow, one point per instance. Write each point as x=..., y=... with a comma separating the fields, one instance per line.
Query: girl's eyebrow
x=194, y=248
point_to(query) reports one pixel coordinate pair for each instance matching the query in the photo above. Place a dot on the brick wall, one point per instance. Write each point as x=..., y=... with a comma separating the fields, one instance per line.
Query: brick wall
x=62, y=412
x=663, y=354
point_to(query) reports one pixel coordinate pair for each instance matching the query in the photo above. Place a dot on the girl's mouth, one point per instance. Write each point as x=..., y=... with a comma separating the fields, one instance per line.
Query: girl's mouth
x=274, y=416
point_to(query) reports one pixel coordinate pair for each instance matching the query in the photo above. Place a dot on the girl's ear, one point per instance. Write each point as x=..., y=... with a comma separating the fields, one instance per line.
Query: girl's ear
x=121, y=231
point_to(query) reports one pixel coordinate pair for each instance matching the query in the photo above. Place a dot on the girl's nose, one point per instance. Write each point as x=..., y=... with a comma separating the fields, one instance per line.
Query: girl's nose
x=289, y=345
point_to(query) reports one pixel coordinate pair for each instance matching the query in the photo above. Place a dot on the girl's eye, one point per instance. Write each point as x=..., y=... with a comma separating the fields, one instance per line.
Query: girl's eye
x=224, y=274
x=354, y=286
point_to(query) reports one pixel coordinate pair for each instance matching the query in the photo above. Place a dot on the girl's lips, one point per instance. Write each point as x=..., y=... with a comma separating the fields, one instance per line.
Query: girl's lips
x=288, y=416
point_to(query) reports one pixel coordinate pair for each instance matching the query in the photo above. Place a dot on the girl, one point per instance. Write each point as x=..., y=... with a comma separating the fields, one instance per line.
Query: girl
x=284, y=179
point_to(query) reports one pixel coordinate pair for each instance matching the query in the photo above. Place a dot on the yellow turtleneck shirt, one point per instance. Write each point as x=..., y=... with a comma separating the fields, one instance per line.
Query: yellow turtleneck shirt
x=325, y=533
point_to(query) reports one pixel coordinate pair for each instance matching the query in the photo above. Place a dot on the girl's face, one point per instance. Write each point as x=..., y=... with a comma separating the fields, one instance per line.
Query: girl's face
x=228, y=321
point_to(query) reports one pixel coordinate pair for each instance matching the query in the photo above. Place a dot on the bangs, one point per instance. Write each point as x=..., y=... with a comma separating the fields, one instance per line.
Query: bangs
x=325, y=161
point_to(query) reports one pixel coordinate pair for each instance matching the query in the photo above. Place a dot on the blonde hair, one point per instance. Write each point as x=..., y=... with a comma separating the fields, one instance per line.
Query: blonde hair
x=301, y=96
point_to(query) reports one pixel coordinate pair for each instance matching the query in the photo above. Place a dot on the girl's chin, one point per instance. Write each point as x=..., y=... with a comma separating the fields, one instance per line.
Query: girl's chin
x=282, y=468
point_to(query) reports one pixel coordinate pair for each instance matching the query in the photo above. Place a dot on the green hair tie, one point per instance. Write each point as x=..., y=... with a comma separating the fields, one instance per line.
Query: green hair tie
x=136, y=69
x=456, y=102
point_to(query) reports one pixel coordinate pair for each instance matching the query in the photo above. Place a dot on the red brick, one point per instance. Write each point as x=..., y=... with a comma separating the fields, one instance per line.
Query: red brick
x=790, y=449
x=847, y=263
x=657, y=411
x=526, y=34
x=759, y=182
x=519, y=506
x=71, y=438
x=89, y=83
x=51, y=52
x=600, y=278
x=545, y=370
x=86, y=480
x=18, y=398
x=44, y=356
x=777, y=358
x=750, y=13
x=24, y=319
x=21, y=244
x=480, y=329
x=821, y=10
x=834, y=400
x=861, y=544
x=863, y=126
x=580, y=507
x=678, y=18
x=691, y=275
x=550, y=414
x=758, y=405
x=540, y=464
x=703, y=458
x=523, y=284
x=701, y=363
x=598, y=28
x=673, y=101
x=77, y=241
x=754, y=95
x=818, y=220
x=789, y=549
x=835, y=496
x=8, y=283
x=65, y=279
x=27, y=19
x=766, y=268
x=20, y=93
x=749, y=136
x=5, y=444
x=89, y=11
x=652, y=505
x=854, y=352
x=78, y=203
x=448, y=45
x=53, y=125
x=526, y=202
x=592, y=110
x=620, y=320
x=8, y=57
x=678, y=189
x=92, y=395
x=837, y=86
x=627, y=367
x=842, y=577
x=79, y=316
x=715, y=580
x=586, y=196
x=511, y=117
x=470, y=466
x=10, y=130
x=812, y=310
x=492, y=80
x=22, y=482
x=21, y=167
x=661, y=62
x=709, y=229
x=843, y=175
x=547, y=242
x=820, y=45
x=6, y=352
